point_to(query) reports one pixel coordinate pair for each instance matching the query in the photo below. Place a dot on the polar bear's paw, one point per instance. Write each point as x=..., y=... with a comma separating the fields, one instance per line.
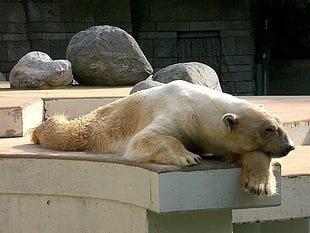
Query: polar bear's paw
x=187, y=160
x=256, y=174
x=259, y=184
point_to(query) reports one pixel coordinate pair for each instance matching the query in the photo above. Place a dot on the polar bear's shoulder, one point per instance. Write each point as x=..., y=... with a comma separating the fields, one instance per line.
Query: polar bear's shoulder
x=183, y=86
x=180, y=87
x=180, y=91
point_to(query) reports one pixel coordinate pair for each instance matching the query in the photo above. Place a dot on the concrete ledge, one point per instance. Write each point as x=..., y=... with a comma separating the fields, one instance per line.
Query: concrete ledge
x=21, y=110
x=18, y=117
x=74, y=107
x=295, y=203
x=54, y=191
x=299, y=131
x=28, y=168
x=295, y=191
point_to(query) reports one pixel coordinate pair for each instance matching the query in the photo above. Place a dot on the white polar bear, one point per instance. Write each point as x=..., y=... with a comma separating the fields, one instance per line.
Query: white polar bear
x=172, y=124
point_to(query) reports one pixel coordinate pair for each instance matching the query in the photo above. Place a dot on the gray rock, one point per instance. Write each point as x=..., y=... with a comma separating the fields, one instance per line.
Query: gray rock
x=146, y=84
x=2, y=78
x=106, y=55
x=36, y=70
x=193, y=72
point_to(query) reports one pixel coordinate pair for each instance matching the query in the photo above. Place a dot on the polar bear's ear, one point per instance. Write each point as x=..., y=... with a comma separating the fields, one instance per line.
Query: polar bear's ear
x=277, y=119
x=261, y=106
x=230, y=120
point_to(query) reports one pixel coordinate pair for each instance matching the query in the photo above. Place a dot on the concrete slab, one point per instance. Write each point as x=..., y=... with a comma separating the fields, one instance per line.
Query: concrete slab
x=72, y=92
x=297, y=163
x=74, y=108
x=27, y=168
x=295, y=203
x=299, y=131
x=295, y=189
x=288, y=108
x=18, y=117
x=21, y=110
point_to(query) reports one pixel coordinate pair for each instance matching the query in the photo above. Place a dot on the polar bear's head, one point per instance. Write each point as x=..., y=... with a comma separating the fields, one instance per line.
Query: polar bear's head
x=252, y=128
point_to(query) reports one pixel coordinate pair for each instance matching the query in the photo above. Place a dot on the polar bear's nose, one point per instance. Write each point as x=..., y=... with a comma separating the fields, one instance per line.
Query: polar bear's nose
x=289, y=148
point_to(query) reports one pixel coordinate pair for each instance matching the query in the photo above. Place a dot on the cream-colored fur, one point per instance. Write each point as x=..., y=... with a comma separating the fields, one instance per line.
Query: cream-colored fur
x=256, y=174
x=172, y=124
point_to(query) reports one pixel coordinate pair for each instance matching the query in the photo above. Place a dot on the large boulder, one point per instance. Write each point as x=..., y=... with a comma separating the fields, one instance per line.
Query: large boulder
x=146, y=84
x=106, y=55
x=193, y=72
x=37, y=70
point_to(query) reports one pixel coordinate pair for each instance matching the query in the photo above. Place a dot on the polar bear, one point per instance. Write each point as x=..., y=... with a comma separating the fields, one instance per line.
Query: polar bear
x=173, y=124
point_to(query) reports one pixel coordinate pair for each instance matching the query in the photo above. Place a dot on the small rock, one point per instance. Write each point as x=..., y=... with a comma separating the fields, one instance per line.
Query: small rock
x=2, y=78
x=193, y=72
x=106, y=55
x=36, y=70
x=146, y=84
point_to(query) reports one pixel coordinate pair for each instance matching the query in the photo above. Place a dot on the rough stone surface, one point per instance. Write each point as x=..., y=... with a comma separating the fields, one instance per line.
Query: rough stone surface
x=36, y=69
x=2, y=78
x=106, y=55
x=146, y=84
x=193, y=72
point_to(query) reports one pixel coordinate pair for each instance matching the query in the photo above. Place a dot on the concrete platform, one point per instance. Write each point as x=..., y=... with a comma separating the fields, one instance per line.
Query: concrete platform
x=167, y=188
x=51, y=186
x=296, y=163
x=54, y=191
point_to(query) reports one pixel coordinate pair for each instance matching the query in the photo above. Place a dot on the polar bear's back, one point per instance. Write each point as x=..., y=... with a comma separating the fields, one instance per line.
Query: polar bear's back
x=180, y=92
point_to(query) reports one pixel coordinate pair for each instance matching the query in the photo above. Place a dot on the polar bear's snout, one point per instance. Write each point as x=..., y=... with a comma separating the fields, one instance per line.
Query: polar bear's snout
x=281, y=147
x=282, y=153
x=288, y=149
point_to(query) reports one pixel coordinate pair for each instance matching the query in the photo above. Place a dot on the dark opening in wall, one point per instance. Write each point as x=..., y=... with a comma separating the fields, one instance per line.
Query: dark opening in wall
x=283, y=27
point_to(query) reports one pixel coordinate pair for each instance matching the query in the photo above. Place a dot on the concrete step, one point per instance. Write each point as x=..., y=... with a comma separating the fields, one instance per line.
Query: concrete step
x=22, y=110
x=295, y=188
x=299, y=131
x=294, y=112
x=18, y=117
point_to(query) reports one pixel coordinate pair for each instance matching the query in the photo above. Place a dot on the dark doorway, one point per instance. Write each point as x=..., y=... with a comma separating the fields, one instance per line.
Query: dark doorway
x=283, y=47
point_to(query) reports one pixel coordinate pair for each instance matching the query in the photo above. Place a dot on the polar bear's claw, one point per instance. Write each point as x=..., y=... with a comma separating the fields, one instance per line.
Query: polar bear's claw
x=260, y=187
x=189, y=160
x=257, y=176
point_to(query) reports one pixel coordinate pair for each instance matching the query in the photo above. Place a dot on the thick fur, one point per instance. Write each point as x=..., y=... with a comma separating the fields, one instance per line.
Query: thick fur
x=256, y=173
x=172, y=124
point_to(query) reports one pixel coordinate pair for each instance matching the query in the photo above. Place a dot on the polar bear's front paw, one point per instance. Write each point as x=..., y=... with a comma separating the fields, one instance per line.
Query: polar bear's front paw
x=186, y=160
x=259, y=184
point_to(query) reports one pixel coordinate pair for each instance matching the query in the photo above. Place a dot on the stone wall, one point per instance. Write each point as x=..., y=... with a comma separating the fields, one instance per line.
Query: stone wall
x=218, y=32
x=48, y=25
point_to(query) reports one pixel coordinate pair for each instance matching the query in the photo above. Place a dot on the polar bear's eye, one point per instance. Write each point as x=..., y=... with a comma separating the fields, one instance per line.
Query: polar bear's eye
x=271, y=129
